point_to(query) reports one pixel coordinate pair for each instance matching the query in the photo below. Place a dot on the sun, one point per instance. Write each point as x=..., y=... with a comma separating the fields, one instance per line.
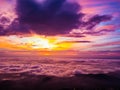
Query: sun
x=40, y=43
x=37, y=42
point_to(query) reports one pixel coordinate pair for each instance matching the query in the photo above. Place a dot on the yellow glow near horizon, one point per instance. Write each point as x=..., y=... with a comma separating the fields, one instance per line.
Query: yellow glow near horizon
x=37, y=43
x=33, y=42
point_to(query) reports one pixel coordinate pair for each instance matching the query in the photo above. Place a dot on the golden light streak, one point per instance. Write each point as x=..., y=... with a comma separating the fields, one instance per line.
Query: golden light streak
x=33, y=42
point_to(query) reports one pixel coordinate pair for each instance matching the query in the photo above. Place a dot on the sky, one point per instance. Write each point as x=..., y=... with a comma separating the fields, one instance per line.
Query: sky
x=60, y=25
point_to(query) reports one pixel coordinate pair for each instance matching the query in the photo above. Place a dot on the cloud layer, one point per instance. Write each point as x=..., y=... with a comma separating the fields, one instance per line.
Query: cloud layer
x=57, y=67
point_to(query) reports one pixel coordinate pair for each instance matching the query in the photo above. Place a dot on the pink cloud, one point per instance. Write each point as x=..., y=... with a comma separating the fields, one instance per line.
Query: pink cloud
x=94, y=2
x=94, y=10
x=106, y=28
x=107, y=44
x=95, y=6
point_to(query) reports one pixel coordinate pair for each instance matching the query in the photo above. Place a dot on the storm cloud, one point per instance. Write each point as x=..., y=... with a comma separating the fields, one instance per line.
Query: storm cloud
x=49, y=17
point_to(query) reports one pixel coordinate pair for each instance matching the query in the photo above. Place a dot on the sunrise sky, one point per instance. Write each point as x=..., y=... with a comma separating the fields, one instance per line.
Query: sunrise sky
x=61, y=25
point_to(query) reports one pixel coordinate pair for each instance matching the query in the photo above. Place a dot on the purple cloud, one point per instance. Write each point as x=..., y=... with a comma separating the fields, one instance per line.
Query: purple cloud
x=50, y=17
x=95, y=20
x=77, y=41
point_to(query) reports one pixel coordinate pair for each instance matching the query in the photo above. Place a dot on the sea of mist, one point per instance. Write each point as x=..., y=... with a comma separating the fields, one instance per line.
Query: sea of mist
x=55, y=66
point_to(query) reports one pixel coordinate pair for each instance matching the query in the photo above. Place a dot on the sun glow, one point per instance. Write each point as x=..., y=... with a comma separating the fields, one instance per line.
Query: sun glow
x=33, y=42
x=41, y=43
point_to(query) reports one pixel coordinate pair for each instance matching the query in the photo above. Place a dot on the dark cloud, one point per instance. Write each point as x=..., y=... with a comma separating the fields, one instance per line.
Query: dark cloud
x=95, y=20
x=74, y=42
x=50, y=17
x=16, y=28
x=4, y=21
x=2, y=32
x=75, y=35
x=89, y=27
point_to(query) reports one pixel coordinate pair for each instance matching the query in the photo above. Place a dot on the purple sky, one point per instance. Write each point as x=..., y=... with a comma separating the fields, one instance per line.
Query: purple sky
x=90, y=25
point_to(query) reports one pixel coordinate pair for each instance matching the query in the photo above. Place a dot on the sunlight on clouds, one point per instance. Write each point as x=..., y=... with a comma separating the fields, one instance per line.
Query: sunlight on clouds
x=34, y=42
